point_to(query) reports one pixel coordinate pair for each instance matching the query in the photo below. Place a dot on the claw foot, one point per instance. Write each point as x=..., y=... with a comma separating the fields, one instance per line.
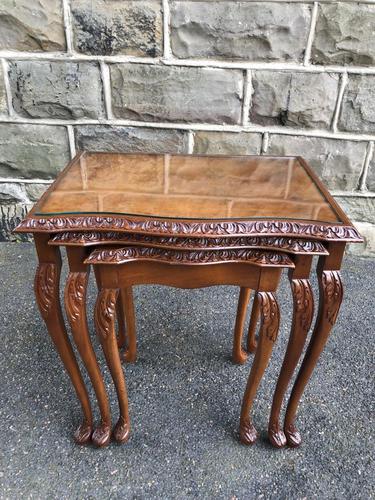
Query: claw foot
x=121, y=432
x=293, y=437
x=129, y=357
x=83, y=434
x=101, y=435
x=276, y=436
x=248, y=433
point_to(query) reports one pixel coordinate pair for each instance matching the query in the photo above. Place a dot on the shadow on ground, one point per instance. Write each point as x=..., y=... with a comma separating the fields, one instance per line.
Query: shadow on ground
x=184, y=402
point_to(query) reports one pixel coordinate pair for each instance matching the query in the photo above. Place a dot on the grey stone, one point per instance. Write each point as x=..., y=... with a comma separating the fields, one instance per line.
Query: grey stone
x=35, y=191
x=32, y=151
x=56, y=89
x=131, y=139
x=227, y=143
x=358, y=106
x=367, y=248
x=32, y=25
x=12, y=193
x=293, y=99
x=111, y=27
x=166, y=93
x=344, y=34
x=260, y=31
x=337, y=162
x=11, y=214
x=3, y=98
x=358, y=208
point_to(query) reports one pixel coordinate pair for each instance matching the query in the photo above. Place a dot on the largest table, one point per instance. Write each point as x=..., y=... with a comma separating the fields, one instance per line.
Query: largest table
x=194, y=202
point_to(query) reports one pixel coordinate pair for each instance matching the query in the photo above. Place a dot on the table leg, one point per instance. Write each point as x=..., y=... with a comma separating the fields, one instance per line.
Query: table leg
x=303, y=310
x=105, y=324
x=269, y=327
x=127, y=306
x=46, y=288
x=330, y=298
x=251, y=340
x=239, y=356
x=127, y=334
x=75, y=306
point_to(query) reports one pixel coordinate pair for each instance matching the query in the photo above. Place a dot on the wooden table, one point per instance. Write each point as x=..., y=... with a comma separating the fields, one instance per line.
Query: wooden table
x=195, y=204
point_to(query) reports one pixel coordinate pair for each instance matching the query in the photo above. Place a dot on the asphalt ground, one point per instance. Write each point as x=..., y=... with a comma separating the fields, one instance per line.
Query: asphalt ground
x=185, y=397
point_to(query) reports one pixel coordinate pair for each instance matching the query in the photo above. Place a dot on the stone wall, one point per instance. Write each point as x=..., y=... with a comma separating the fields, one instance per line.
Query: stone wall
x=281, y=77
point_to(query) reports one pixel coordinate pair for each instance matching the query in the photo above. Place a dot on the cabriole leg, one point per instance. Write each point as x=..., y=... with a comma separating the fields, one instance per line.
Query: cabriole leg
x=105, y=325
x=75, y=305
x=303, y=309
x=127, y=306
x=269, y=327
x=330, y=298
x=239, y=356
x=46, y=286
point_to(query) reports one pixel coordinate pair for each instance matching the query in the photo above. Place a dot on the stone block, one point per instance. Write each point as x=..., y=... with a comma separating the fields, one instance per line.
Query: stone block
x=358, y=207
x=10, y=216
x=358, y=105
x=367, y=248
x=257, y=31
x=337, y=162
x=3, y=98
x=35, y=191
x=63, y=90
x=131, y=139
x=227, y=143
x=170, y=93
x=107, y=27
x=344, y=34
x=12, y=193
x=32, y=25
x=32, y=151
x=294, y=99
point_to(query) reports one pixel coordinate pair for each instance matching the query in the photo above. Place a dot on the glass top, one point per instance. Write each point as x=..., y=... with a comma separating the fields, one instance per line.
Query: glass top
x=188, y=187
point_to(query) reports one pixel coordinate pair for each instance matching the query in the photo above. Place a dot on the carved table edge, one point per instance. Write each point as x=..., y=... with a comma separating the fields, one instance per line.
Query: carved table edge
x=281, y=243
x=171, y=227
x=122, y=255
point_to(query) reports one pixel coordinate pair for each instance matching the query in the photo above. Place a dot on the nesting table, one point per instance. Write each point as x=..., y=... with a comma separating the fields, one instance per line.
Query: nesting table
x=188, y=221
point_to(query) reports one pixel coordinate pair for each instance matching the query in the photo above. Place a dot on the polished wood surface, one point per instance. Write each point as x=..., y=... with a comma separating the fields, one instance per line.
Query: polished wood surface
x=199, y=187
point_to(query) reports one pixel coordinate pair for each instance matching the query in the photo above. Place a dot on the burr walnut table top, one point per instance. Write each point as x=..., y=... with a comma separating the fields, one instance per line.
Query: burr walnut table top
x=190, y=196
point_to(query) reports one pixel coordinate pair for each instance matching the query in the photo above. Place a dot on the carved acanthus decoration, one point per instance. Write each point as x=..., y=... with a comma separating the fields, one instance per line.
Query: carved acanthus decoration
x=105, y=310
x=290, y=245
x=270, y=314
x=303, y=301
x=126, y=254
x=302, y=229
x=75, y=293
x=333, y=294
x=45, y=287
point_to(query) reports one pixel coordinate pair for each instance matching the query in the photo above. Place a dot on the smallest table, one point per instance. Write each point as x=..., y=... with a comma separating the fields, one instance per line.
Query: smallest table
x=237, y=202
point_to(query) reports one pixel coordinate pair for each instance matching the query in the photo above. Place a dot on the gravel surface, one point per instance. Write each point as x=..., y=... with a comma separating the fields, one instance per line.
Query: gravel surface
x=185, y=399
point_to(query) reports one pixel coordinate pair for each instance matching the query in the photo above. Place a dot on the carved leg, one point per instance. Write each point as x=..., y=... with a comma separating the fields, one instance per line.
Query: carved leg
x=121, y=334
x=239, y=356
x=127, y=306
x=75, y=304
x=270, y=319
x=303, y=309
x=105, y=324
x=46, y=287
x=251, y=340
x=330, y=298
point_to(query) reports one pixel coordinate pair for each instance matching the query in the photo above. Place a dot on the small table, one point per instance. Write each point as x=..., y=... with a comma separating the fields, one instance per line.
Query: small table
x=198, y=203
